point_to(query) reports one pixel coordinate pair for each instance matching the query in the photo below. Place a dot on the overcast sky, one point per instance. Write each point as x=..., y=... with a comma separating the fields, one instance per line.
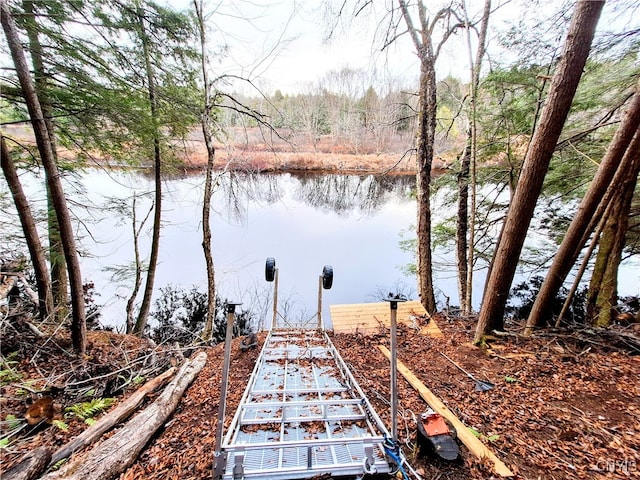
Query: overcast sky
x=284, y=44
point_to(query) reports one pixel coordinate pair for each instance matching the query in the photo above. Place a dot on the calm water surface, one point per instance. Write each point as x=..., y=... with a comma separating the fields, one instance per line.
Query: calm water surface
x=352, y=223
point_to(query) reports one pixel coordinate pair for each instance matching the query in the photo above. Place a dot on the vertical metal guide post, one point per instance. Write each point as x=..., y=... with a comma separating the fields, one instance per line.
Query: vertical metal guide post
x=274, y=322
x=320, y=324
x=393, y=304
x=219, y=463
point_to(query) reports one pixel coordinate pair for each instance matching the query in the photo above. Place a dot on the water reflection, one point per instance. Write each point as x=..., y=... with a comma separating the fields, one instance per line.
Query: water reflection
x=340, y=194
x=304, y=221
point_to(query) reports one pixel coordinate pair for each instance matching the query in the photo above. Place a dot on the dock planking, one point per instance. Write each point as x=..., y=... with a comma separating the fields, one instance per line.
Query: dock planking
x=369, y=318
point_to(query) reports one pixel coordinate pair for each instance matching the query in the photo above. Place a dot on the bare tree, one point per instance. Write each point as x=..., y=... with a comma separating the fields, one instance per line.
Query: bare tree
x=207, y=119
x=561, y=92
x=137, y=281
x=423, y=41
x=467, y=176
x=78, y=324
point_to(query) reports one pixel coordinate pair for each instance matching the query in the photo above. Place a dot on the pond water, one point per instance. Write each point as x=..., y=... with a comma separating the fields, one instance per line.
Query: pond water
x=353, y=223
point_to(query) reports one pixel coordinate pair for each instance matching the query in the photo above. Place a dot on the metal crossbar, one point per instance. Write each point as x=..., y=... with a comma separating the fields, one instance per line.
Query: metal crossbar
x=303, y=414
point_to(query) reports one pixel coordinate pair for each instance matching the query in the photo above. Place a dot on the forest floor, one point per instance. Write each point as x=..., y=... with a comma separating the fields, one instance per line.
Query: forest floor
x=564, y=406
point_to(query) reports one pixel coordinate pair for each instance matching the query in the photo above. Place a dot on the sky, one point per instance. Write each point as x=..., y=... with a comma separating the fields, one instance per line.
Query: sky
x=283, y=44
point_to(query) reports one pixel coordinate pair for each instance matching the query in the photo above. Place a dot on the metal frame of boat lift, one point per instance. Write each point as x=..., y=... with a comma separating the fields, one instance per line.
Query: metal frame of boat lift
x=303, y=413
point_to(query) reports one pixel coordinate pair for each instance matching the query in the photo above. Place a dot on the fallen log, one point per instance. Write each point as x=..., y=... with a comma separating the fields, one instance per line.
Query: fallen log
x=111, y=457
x=474, y=445
x=29, y=466
x=117, y=415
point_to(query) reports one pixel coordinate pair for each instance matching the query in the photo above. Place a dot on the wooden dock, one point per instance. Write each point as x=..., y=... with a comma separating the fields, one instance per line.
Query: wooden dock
x=368, y=318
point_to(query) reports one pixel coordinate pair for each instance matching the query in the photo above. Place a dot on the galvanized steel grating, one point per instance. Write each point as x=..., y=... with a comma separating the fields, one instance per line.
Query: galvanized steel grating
x=303, y=414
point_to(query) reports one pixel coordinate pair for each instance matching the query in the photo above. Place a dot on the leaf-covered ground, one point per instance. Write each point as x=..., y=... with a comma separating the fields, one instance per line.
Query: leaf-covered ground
x=561, y=408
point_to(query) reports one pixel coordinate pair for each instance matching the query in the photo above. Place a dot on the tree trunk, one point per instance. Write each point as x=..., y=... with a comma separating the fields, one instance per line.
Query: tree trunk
x=110, y=420
x=78, y=325
x=137, y=261
x=422, y=39
x=466, y=274
x=426, y=134
x=427, y=107
x=462, y=226
x=602, y=296
x=579, y=230
x=38, y=260
x=59, y=274
x=536, y=163
x=141, y=322
x=30, y=466
x=118, y=452
x=208, y=184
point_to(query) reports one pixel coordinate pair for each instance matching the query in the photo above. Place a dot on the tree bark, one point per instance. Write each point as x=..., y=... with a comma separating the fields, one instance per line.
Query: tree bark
x=426, y=134
x=208, y=106
x=462, y=226
x=468, y=174
x=427, y=109
x=582, y=224
x=38, y=259
x=30, y=466
x=78, y=324
x=536, y=163
x=118, y=452
x=114, y=417
x=59, y=274
x=145, y=307
x=602, y=296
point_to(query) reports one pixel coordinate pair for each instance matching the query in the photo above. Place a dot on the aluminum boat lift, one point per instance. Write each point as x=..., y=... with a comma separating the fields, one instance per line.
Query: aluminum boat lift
x=303, y=414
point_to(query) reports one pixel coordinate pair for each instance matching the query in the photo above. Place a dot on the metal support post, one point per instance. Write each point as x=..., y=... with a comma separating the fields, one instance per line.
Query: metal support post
x=274, y=323
x=320, y=325
x=219, y=459
x=393, y=304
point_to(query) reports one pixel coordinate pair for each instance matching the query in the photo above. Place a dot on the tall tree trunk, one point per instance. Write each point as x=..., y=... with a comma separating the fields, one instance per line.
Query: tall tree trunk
x=78, y=324
x=536, y=163
x=579, y=230
x=427, y=109
x=462, y=226
x=208, y=184
x=426, y=134
x=59, y=276
x=602, y=296
x=38, y=260
x=141, y=322
x=469, y=181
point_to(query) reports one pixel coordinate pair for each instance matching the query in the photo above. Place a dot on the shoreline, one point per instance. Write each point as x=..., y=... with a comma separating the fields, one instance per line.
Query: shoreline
x=191, y=157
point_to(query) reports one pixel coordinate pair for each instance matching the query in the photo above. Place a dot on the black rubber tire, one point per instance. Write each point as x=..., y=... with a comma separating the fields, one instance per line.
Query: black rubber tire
x=327, y=277
x=270, y=269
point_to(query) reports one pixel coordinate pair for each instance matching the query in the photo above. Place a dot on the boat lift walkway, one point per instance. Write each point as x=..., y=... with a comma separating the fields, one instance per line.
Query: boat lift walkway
x=303, y=414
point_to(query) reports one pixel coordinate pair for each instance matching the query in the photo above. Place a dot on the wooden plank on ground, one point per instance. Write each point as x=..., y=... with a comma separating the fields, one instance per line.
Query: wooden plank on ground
x=368, y=318
x=474, y=445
